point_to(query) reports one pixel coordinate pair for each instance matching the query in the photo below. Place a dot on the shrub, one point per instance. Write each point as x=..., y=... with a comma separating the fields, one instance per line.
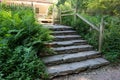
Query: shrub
x=111, y=45
x=112, y=39
x=21, y=38
x=92, y=10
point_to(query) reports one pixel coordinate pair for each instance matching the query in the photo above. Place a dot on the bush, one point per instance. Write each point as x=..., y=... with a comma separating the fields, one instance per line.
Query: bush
x=21, y=38
x=92, y=10
x=111, y=45
x=112, y=39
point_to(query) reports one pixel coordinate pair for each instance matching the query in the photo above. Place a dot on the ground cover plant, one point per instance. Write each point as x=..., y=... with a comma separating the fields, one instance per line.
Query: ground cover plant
x=21, y=41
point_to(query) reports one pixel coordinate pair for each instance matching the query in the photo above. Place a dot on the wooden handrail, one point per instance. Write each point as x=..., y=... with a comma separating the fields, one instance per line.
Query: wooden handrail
x=89, y=23
x=67, y=11
x=100, y=29
x=67, y=14
x=78, y=15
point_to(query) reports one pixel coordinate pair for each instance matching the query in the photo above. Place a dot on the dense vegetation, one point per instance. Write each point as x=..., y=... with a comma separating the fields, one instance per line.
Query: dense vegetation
x=21, y=39
x=94, y=10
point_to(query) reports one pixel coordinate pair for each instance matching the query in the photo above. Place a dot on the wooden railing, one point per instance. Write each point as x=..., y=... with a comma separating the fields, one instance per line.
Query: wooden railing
x=99, y=29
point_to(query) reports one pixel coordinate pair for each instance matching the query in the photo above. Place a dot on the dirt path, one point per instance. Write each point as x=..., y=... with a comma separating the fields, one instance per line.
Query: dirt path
x=105, y=73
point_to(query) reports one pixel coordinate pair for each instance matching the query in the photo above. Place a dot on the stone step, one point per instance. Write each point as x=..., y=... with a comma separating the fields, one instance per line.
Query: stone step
x=69, y=58
x=67, y=43
x=70, y=32
x=60, y=28
x=56, y=26
x=72, y=54
x=72, y=49
x=67, y=37
x=76, y=67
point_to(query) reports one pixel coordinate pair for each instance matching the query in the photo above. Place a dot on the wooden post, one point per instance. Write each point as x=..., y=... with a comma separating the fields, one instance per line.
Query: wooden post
x=60, y=16
x=75, y=11
x=53, y=14
x=101, y=35
x=90, y=29
x=75, y=17
x=33, y=6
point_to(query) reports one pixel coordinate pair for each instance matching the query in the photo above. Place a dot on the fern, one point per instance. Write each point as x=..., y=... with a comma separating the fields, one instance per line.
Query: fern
x=21, y=38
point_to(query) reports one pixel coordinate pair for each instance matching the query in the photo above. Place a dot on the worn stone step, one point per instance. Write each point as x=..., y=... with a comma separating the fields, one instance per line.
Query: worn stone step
x=57, y=27
x=70, y=32
x=61, y=28
x=67, y=43
x=67, y=37
x=68, y=58
x=75, y=67
x=72, y=49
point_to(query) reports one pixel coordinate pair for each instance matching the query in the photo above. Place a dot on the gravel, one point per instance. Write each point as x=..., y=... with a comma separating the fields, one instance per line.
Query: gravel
x=104, y=73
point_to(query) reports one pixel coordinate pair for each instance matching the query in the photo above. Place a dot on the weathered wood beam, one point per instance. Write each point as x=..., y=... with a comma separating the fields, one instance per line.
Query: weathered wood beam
x=67, y=14
x=89, y=23
x=67, y=11
x=101, y=35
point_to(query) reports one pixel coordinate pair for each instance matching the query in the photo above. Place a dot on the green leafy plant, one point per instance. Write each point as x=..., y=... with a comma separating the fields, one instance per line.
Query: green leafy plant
x=93, y=11
x=21, y=41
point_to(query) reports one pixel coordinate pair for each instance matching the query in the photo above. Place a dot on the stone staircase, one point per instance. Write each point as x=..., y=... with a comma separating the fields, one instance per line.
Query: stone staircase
x=73, y=53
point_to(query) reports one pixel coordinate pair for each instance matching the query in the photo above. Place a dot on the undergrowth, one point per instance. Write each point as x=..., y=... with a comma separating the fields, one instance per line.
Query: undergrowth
x=21, y=39
x=93, y=11
x=111, y=42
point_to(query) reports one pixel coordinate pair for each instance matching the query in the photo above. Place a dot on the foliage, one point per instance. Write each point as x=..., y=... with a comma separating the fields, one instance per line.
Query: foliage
x=50, y=10
x=93, y=11
x=112, y=39
x=111, y=7
x=67, y=21
x=111, y=42
x=21, y=39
